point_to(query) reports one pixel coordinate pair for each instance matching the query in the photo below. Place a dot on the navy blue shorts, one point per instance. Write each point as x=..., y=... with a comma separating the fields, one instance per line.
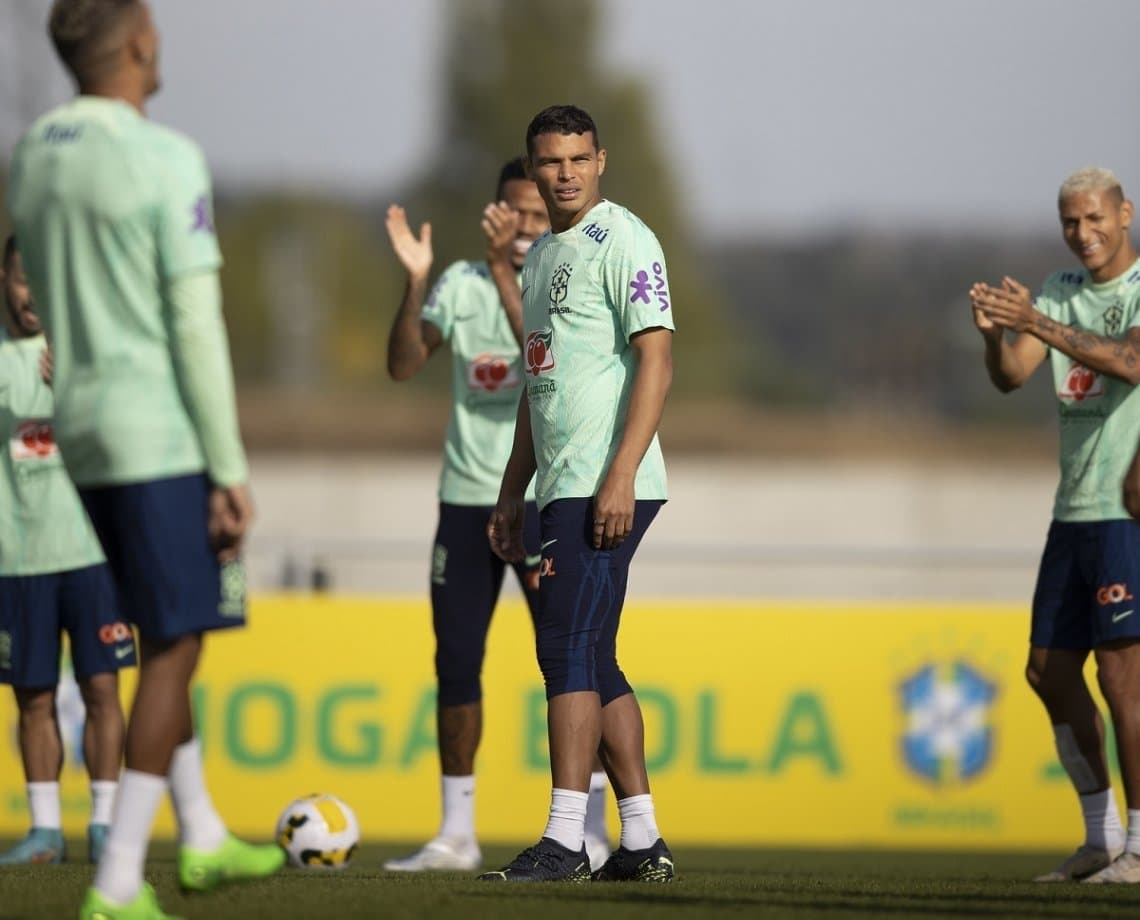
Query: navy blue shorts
x=155, y=538
x=581, y=594
x=1089, y=573
x=36, y=609
x=466, y=577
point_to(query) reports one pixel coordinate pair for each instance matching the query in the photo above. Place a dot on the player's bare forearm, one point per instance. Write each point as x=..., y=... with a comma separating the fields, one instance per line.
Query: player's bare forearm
x=522, y=464
x=407, y=347
x=1119, y=358
x=651, y=382
x=506, y=283
x=1002, y=364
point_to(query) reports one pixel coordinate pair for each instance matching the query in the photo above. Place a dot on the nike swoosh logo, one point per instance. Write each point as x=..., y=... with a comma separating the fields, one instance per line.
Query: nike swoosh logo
x=1117, y=617
x=121, y=653
x=548, y=543
x=525, y=289
x=532, y=561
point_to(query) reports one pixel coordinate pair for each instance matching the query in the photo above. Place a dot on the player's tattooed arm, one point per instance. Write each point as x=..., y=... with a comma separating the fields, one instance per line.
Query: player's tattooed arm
x=1119, y=358
x=1011, y=307
x=411, y=340
x=500, y=226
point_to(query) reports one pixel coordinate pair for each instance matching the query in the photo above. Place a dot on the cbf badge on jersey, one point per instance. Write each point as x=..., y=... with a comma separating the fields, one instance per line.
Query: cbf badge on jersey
x=33, y=439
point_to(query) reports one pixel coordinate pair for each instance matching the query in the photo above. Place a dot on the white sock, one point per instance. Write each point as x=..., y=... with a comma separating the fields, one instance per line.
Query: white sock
x=1132, y=845
x=120, y=874
x=458, y=807
x=43, y=805
x=102, y=800
x=596, y=806
x=638, y=822
x=567, y=821
x=1103, y=829
x=199, y=825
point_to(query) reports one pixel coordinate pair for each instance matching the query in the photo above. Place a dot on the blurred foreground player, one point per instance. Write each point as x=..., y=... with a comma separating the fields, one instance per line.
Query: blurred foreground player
x=113, y=214
x=599, y=330
x=476, y=308
x=52, y=578
x=1087, y=322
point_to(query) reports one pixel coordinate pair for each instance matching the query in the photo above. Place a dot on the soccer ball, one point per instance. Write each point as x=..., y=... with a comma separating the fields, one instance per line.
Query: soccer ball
x=318, y=832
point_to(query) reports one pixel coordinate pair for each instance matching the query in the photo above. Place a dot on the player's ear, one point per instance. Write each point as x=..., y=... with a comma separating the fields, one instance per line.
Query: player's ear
x=527, y=168
x=601, y=161
x=1126, y=211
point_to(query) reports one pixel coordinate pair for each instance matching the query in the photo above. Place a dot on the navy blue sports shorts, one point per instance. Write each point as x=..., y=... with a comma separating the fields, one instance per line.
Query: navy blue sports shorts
x=36, y=609
x=1089, y=574
x=466, y=577
x=581, y=594
x=155, y=538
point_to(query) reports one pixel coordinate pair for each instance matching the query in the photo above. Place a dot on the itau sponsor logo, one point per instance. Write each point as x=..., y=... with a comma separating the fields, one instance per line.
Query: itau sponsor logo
x=1081, y=384
x=540, y=352
x=491, y=373
x=33, y=440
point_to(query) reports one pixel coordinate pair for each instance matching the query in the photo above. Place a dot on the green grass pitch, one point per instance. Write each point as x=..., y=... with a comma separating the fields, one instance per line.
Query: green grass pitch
x=732, y=883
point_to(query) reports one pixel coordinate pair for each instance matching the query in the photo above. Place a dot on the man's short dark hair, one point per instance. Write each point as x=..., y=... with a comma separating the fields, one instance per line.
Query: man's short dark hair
x=560, y=119
x=512, y=170
x=9, y=250
x=83, y=32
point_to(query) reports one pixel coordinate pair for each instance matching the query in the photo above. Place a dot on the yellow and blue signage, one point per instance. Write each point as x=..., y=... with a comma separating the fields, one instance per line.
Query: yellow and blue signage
x=766, y=723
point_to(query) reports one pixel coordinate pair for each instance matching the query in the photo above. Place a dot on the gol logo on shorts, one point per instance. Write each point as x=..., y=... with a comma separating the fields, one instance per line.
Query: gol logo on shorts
x=115, y=632
x=1112, y=594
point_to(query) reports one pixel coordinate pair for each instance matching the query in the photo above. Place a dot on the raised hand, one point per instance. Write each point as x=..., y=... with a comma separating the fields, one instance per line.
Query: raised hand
x=414, y=253
x=500, y=226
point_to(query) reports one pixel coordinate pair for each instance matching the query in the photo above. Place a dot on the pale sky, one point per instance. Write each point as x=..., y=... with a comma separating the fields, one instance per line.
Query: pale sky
x=785, y=118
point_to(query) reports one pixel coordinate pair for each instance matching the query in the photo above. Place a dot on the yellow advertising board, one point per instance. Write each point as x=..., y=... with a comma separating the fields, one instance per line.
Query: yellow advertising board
x=906, y=725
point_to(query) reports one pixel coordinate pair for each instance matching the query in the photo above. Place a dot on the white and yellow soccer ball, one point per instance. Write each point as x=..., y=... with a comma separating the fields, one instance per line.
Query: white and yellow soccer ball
x=318, y=832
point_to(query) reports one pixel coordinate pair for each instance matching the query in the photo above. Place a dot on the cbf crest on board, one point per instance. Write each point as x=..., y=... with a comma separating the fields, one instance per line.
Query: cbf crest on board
x=949, y=734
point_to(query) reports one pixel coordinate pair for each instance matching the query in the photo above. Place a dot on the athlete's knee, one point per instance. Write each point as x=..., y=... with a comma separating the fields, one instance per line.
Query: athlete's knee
x=36, y=704
x=1118, y=675
x=100, y=693
x=1054, y=678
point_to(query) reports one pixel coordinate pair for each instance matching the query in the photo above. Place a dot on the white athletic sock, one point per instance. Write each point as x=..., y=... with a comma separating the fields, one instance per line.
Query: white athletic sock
x=43, y=804
x=102, y=800
x=1132, y=845
x=120, y=874
x=596, y=806
x=199, y=825
x=458, y=807
x=567, y=821
x=638, y=822
x=1103, y=829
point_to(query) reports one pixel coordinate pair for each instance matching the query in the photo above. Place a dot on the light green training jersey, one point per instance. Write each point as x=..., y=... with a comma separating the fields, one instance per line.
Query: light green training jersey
x=43, y=527
x=586, y=292
x=1100, y=415
x=486, y=380
x=110, y=209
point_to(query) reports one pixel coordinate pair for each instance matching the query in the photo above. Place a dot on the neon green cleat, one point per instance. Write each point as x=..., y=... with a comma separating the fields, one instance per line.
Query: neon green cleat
x=234, y=861
x=143, y=907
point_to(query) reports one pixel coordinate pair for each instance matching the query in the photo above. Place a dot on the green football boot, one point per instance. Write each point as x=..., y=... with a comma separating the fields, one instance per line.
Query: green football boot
x=233, y=861
x=143, y=907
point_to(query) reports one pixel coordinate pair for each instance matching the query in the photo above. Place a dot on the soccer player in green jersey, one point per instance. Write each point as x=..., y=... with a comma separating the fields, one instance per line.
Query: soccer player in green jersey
x=476, y=309
x=52, y=578
x=113, y=214
x=1087, y=323
x=599, y=328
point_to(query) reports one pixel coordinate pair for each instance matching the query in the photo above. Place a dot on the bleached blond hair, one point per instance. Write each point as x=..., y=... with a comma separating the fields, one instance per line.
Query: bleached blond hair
x=1091, y=179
